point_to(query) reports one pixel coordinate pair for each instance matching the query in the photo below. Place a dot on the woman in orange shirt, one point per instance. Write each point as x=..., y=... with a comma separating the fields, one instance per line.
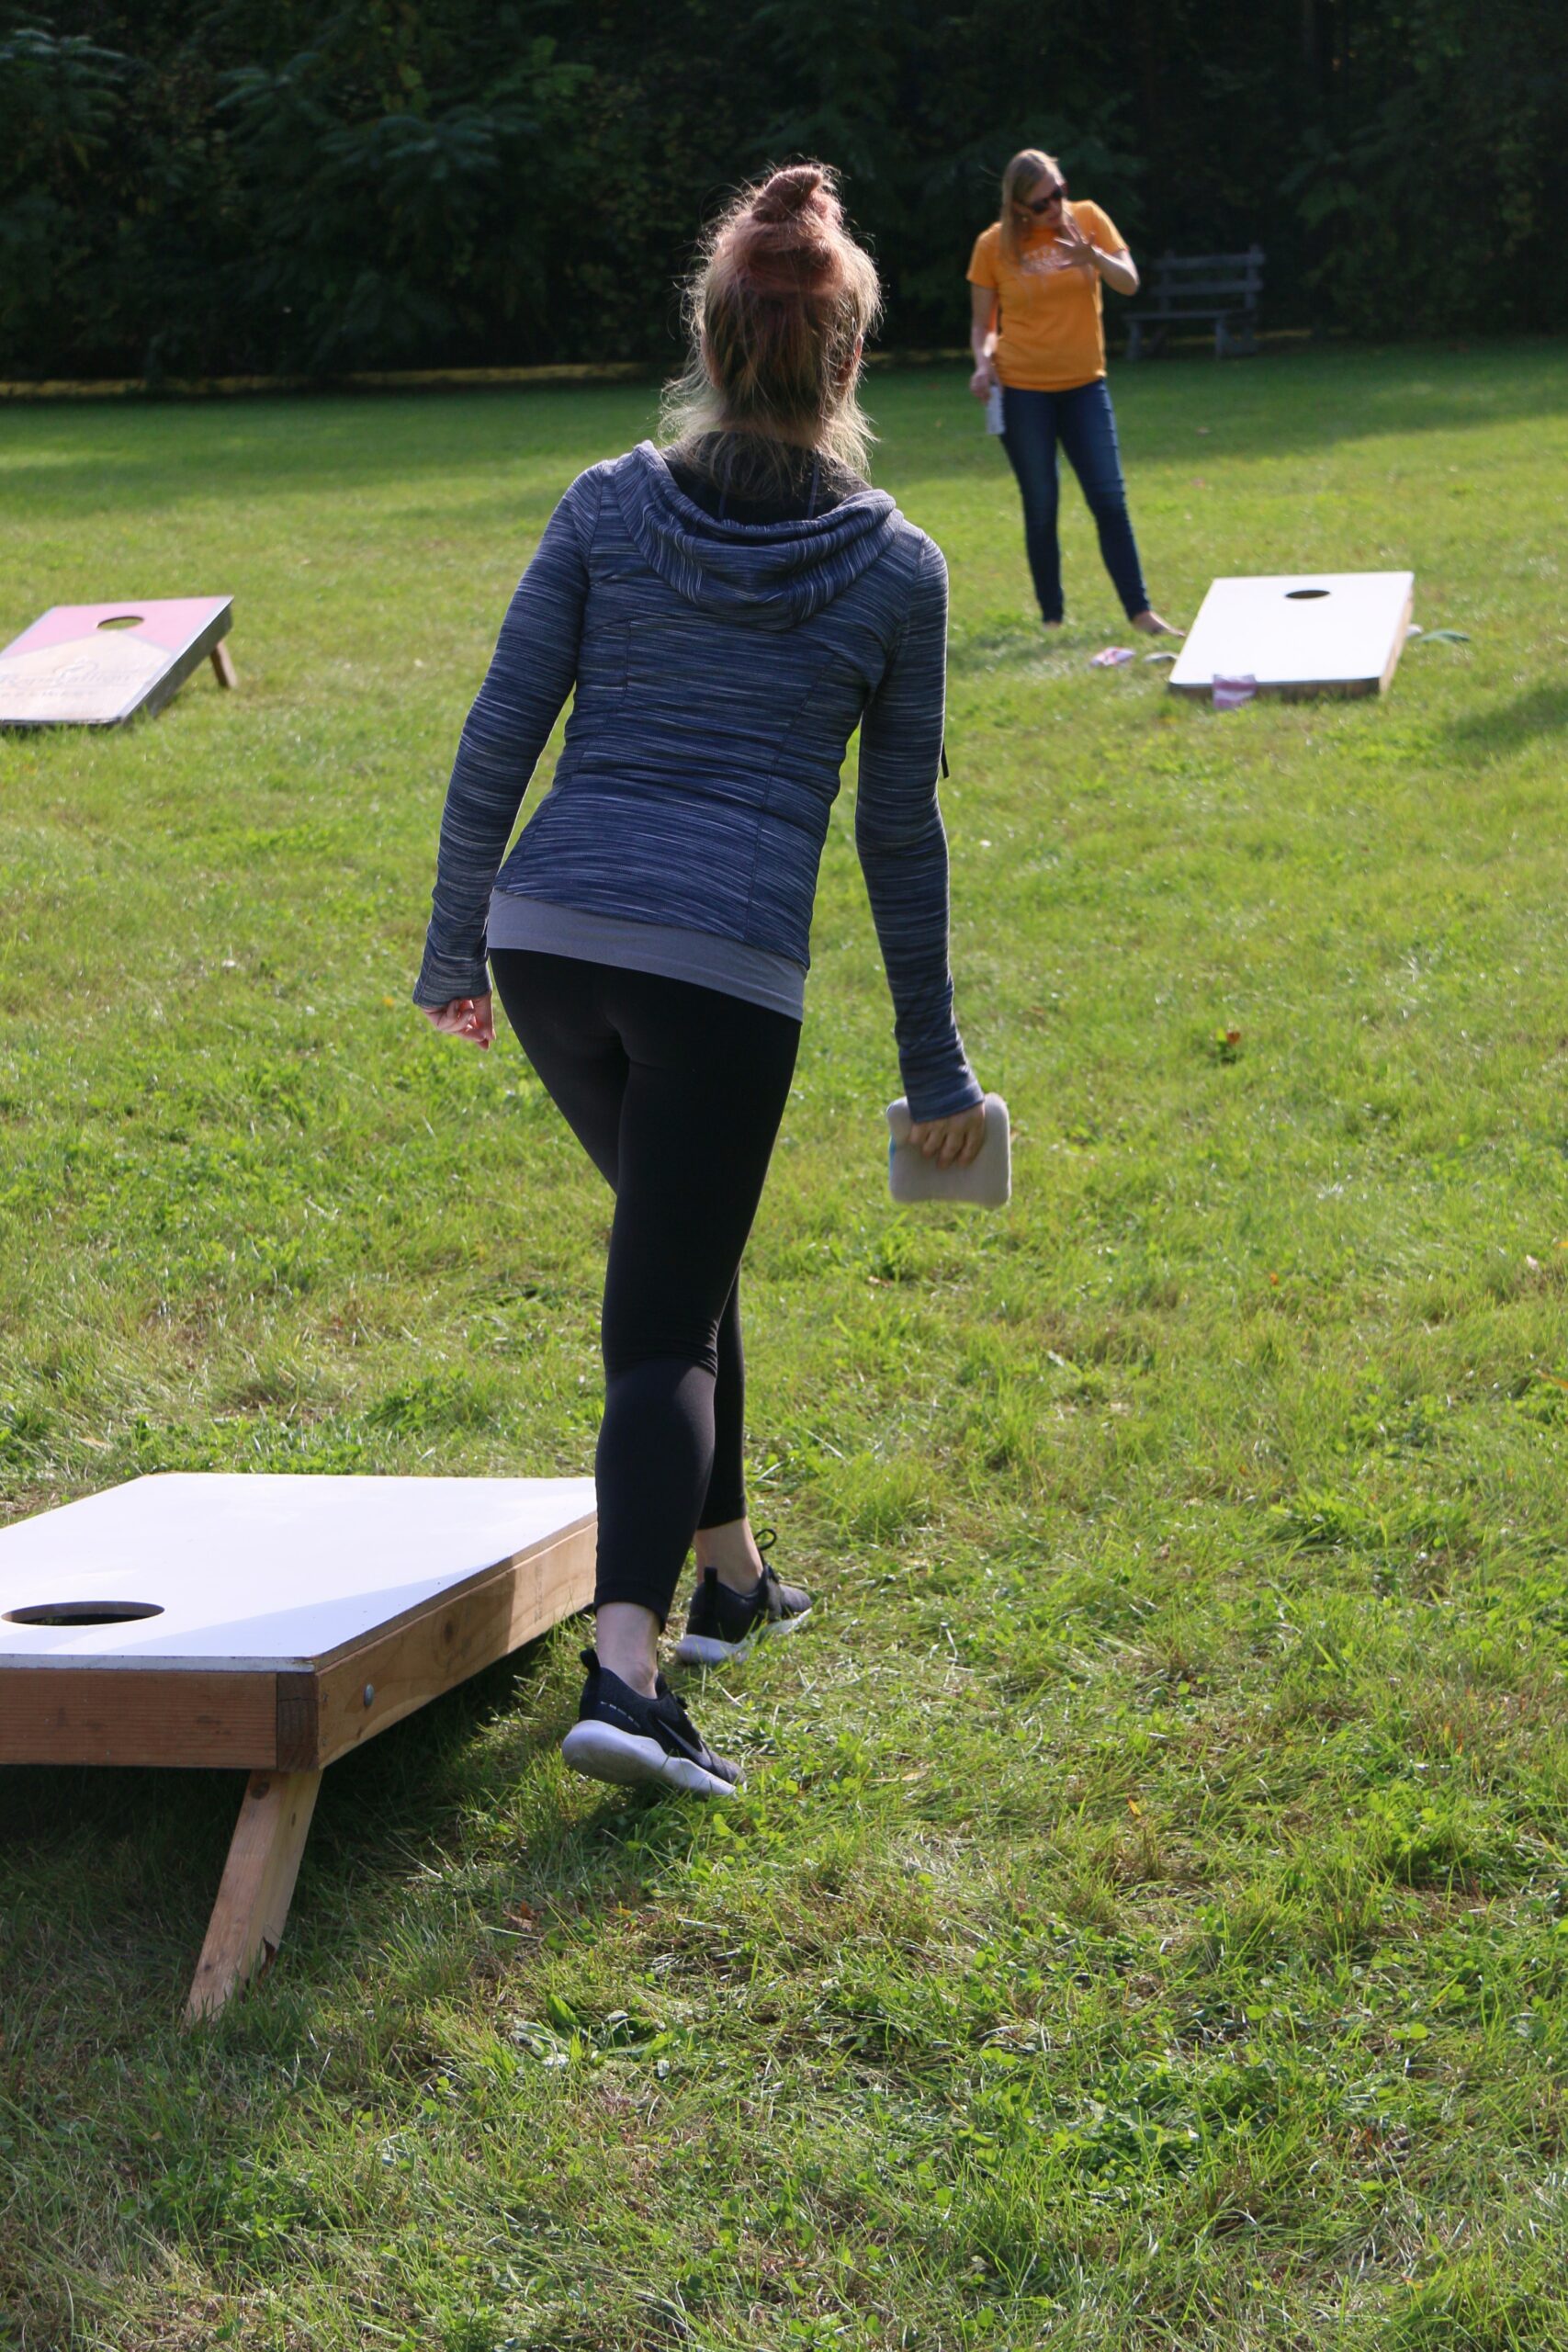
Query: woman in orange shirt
x=1035, y=279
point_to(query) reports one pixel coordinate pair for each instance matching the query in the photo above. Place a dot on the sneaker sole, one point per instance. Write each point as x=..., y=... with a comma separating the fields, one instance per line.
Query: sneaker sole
x=628, y=1760
x=706, y=1649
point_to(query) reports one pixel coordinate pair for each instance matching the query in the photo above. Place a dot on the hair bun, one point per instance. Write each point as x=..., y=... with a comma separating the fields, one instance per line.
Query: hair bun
x=779, y=310
x=787, y=195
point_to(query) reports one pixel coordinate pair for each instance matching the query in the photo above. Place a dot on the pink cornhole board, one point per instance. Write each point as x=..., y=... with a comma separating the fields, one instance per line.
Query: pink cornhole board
x=98, y=665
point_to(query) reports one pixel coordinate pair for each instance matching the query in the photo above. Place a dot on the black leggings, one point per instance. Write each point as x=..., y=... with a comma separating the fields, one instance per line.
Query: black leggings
x=675, y=1093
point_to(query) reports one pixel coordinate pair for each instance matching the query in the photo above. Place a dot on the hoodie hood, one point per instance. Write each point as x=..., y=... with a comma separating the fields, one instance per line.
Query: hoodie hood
x=775, y=576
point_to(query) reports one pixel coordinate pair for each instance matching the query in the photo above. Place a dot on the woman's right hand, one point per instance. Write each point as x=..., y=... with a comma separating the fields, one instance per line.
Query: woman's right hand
x=952, y=1142
x=467, y=1016
x=982, y=382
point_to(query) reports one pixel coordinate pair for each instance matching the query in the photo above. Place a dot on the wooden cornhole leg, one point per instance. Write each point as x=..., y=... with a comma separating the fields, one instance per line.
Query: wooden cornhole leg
x=223, y=665
x=246, y=1926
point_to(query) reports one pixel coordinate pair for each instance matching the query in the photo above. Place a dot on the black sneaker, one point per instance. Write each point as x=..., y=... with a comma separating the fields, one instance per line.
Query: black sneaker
x=621, y=1737
x=721, y=1624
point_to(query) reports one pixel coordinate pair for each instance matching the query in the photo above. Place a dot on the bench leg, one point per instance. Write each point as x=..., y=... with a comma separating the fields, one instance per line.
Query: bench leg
x=246, y=1926
x=223, y=665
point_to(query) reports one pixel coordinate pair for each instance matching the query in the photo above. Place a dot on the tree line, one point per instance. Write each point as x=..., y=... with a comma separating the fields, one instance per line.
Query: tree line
x=192, y=187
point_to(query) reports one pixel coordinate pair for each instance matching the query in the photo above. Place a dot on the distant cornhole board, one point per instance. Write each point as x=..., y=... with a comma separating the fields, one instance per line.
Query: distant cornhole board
x=1298, y=633
x=98, y=665
x=270, y=1624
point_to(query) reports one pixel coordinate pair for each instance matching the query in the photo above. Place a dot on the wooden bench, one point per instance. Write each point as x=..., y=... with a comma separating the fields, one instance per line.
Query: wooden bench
x=1181, y=288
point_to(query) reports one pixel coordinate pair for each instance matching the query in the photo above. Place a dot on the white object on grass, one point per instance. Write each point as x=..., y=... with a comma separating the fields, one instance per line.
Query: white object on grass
x=1298, y=633
x=269, y=1625
x=985, y=1183
x=249, y=1570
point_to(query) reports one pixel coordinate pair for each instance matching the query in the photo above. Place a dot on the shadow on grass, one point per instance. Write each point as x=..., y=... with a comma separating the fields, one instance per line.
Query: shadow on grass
x=1502, y=733
x=111, y=1873
x=80, y=462
x=154, y=456
x=1282, y=405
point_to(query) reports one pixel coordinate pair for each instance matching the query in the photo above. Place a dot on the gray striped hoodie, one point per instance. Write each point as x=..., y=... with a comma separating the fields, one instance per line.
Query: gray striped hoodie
x=718, y=671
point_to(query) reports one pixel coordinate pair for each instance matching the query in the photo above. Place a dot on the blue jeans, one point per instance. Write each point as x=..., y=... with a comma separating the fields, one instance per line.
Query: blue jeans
x=1085, y=424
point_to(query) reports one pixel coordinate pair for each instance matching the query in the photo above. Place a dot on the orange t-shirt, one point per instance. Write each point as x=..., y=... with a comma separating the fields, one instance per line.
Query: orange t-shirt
x=1050, y=333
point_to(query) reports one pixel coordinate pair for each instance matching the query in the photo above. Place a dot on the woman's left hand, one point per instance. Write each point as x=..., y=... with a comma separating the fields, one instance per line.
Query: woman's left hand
x=952, y=1142
x=466, y=1016
x=1077, y=252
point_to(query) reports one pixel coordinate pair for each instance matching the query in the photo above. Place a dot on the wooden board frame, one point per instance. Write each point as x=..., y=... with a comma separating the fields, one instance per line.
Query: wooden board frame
x=284, y=1727
x=263, y=1720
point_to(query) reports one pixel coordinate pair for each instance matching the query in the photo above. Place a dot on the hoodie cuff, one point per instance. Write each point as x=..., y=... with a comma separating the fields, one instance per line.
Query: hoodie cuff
x=932, y=1102
x=442, y=978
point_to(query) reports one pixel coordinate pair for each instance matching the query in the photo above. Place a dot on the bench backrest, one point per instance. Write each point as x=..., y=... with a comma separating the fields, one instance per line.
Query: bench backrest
x=1197, y=276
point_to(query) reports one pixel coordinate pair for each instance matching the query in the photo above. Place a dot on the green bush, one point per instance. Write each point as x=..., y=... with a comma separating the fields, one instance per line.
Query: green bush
x=203, y=188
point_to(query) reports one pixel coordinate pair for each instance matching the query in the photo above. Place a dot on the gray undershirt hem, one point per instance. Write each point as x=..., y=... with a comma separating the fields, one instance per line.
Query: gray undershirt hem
x=675, y=952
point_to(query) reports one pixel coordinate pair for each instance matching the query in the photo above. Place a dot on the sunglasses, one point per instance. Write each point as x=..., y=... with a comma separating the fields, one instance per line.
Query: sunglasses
x=1044, y=203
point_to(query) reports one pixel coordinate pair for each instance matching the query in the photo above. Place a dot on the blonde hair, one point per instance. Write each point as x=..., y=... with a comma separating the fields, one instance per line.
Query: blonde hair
x=1031, y=164
x=776, y=310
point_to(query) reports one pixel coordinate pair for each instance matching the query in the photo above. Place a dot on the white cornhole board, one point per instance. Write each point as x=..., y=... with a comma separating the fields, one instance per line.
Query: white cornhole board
x=1298, y=633
x=270, y=1623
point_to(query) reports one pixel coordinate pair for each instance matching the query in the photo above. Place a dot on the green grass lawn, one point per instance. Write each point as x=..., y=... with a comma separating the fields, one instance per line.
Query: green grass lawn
x=1145, y=1925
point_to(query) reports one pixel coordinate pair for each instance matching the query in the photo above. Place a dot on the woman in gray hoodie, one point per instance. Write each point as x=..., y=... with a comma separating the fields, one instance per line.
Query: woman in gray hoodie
x=724, y=613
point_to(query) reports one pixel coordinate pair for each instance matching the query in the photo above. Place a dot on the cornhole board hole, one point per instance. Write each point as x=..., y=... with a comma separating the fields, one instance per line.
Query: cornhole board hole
x=1298, y=633
x=98, y=665
x=269, y=1625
